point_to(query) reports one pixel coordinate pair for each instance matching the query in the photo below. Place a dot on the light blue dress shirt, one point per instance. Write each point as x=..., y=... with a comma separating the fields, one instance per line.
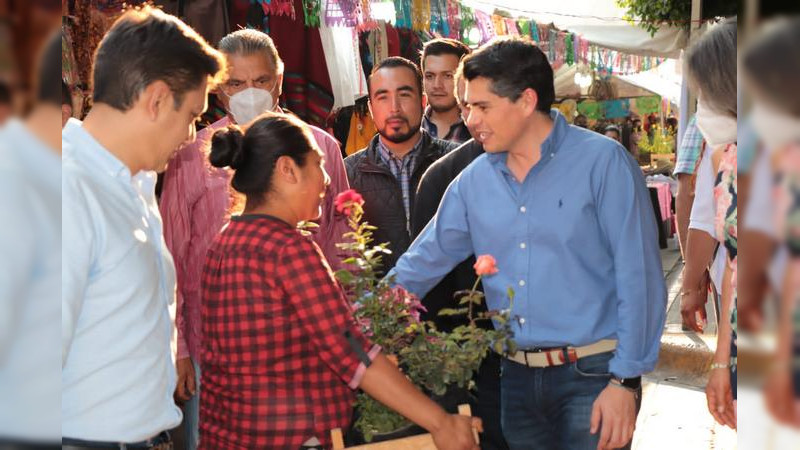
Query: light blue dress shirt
x=576, y=240
x=30, y=286
x=118, y=291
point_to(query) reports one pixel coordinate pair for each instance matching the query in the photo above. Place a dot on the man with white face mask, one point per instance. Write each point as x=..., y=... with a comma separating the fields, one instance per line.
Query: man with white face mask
x=195, y=199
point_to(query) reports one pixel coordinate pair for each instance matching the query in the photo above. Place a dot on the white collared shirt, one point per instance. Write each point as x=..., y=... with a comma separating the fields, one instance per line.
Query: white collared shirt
x=30, y=286
x=118, y=291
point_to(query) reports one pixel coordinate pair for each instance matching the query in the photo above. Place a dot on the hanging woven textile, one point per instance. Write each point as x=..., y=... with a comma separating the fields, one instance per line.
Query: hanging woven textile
x=511, y=27
x=69, y=71
x=402, y=10
x=344, y=13
x=535, y=32
x=558, y=51
x=485, y=26
x=551, y=48
x=524, y=27
x=569, y=51
x=311, y=11
x=114, y=6
x=453, y=18
x=378, y=43
x=366, y=22
x=499, y=24
x=439, y=17
x=467, y=22
x=421, y=15
x=279, y=8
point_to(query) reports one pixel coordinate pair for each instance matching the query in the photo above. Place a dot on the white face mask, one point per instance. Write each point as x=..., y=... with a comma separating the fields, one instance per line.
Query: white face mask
x=774, y=128
x=250, y=103
x=717, y=129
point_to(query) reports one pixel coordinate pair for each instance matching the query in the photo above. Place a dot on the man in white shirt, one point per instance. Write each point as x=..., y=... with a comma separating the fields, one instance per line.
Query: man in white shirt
x=151, y=78
x=30, y=266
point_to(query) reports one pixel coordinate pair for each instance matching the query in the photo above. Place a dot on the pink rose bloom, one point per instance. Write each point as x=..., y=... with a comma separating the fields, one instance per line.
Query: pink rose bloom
x=485, y=265
x=346, y=199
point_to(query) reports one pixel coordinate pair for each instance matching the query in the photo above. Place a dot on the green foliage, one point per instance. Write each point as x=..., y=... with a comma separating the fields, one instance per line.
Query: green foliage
x=663, y=141
x=390, y=316
x=651, y=14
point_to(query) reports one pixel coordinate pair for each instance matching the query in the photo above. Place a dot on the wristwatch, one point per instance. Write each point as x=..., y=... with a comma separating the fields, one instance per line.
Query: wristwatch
x=628, y=383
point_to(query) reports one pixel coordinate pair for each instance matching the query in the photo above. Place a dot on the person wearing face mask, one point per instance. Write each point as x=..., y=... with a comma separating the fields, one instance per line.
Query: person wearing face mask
x=711, y=68
x=770, y=65
x=196, y=199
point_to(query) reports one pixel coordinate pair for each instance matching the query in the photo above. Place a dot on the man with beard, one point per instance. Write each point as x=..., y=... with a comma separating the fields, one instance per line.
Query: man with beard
x=442, y=119
x=388, y=171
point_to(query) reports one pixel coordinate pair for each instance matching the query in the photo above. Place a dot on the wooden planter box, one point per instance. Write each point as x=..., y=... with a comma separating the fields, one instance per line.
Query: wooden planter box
x=418, y=442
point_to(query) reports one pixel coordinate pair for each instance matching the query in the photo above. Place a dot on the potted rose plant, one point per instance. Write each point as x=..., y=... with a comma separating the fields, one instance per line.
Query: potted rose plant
x=434, y=360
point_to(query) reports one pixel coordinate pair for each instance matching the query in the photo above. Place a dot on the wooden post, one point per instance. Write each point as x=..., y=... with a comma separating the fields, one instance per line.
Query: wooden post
x=694, y=33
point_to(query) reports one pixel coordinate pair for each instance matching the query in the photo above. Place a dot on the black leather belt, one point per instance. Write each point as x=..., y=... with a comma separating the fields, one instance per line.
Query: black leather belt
x=160, y=441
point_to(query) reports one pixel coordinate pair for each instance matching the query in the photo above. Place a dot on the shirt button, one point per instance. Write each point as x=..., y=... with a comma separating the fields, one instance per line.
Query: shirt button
x=522, y=209
x=522, y=245
x=522, y=282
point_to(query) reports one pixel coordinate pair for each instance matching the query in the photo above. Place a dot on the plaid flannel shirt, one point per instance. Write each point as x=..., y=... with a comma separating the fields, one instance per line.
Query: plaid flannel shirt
x=282, y=353
x=458, y=132
x=690, y=149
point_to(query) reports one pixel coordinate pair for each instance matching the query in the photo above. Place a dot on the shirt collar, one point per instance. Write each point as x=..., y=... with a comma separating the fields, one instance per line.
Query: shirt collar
x=427, y=118
x=550, y=145
x=386, y=154
x=84, y=146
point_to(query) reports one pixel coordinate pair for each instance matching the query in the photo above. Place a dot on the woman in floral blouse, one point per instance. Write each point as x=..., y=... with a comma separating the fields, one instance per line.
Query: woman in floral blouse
x=711, y=68
x=281, y=352
x=770, y=66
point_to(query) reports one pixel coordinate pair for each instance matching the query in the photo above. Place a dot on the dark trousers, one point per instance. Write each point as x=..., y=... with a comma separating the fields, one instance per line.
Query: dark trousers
x=551, y=408
x=486, y=403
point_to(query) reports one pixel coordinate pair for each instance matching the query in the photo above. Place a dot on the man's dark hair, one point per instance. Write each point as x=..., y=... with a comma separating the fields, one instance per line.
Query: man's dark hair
x=253, y=151
x=513, y=65
x=146, y=45
x=394, y=62
x=5, y=94
x=49, y=71
x=443, y=46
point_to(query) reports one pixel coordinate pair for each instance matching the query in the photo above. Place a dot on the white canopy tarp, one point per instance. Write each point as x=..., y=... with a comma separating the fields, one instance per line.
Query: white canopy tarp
x=564, y=82
x=664, y=80
x=599, y=21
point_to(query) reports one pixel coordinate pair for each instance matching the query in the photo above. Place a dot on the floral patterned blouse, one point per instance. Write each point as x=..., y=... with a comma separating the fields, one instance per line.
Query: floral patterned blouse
x=725, y=193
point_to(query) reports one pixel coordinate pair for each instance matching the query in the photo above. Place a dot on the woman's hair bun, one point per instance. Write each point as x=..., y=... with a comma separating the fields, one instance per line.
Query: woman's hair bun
x=227, y=148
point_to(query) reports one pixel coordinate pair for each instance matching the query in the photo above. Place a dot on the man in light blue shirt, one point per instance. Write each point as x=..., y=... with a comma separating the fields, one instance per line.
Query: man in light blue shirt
x=30, y=265
x=567, y=215
x=151, y=79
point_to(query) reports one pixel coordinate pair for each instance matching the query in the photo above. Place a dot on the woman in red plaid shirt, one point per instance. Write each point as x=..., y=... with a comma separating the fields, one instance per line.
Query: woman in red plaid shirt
x=282, y=354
